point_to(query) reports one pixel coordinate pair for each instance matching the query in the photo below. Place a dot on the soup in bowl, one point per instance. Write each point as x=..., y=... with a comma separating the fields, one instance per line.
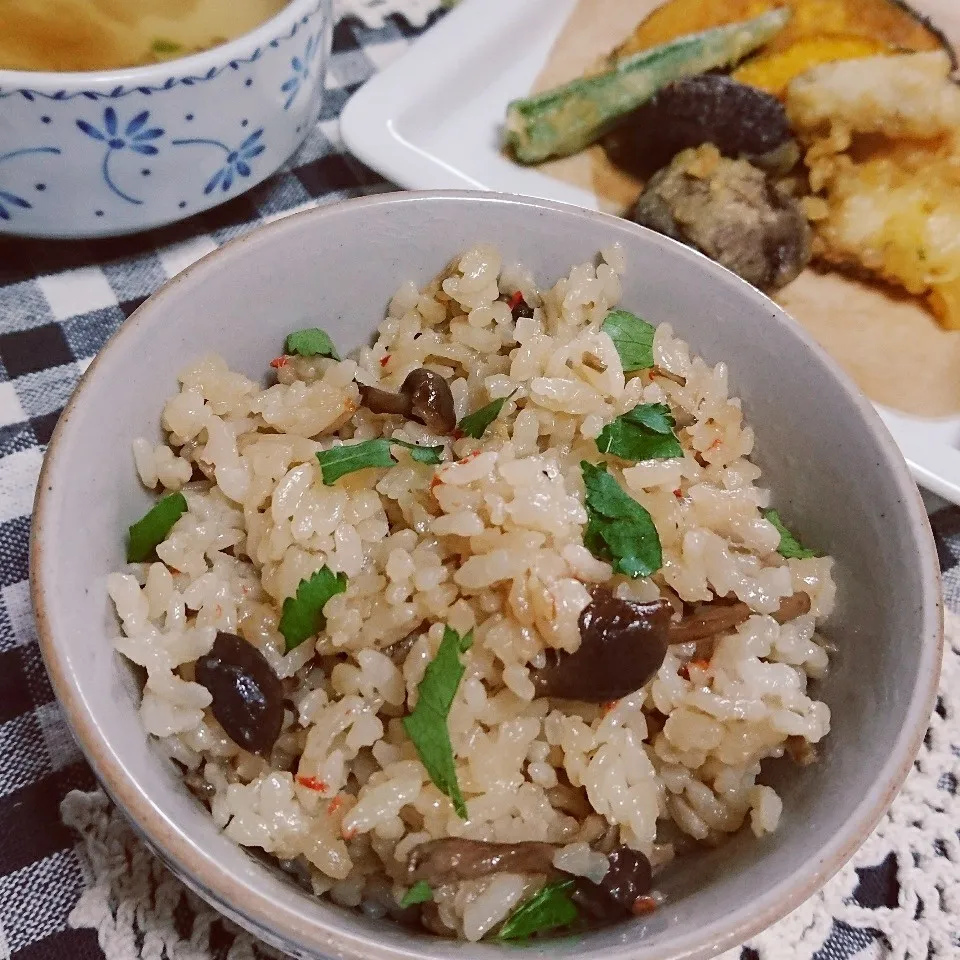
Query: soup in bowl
x=70, y=35
x=121, y=117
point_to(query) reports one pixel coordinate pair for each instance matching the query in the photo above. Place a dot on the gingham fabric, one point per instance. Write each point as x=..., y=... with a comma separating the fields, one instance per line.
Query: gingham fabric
x=59, y=302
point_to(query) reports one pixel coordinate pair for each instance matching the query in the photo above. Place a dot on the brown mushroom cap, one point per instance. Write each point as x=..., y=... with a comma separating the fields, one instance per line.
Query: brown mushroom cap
x=622, y=646
x=431, y=402
x=247, y=695
x=424, y=396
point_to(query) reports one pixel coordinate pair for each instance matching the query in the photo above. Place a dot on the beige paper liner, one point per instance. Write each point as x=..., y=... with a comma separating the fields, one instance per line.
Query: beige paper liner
x=890, y=345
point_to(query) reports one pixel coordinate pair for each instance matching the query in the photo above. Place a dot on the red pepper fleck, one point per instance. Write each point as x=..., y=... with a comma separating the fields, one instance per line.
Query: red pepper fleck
x=348, y=834
x=434, y=480
x=458, y=434
x=334, y=805
x=312, y=783
x=384, y=360
x=605, y=708
x=643, y=906
x=469, y=457
x=678, y=493
x=703, y=663
x=519, y=308
x=684, y=672
x=278, y=362
x=716, y=443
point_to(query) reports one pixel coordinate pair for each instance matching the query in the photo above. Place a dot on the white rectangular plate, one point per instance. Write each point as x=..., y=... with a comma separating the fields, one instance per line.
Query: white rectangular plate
x=431, y=121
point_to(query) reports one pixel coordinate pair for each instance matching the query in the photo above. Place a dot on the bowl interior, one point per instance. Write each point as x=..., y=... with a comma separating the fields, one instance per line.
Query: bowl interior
x=834, y=471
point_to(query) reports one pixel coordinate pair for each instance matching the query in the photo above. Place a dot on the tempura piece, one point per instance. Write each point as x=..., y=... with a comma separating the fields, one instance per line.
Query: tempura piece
x=883, y=155
x=906, y=95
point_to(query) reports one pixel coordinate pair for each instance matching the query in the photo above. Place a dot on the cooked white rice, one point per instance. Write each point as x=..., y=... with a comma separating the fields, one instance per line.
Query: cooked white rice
x=491, y=541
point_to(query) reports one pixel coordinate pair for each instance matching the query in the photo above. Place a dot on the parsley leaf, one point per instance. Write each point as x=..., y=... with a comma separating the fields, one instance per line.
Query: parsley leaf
x=790, y=547
x=303, y=614
x=312, y=342
x=152, y=528
x=644, y=433
x=632, y=337
x=431, y=455
x=420, y=892
x=548, y=909
x=618, y=528
x=427, y=724
x=475, y=424
x=339, y=461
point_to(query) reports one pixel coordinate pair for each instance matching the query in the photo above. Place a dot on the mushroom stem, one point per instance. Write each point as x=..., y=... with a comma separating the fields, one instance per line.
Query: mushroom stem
x=709, y=619
x=451, y=859
x=383, y=401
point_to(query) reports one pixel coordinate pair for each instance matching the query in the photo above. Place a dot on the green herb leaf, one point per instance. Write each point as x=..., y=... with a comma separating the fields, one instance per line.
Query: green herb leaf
x=618, y=528
x=431, y=455
x=420, y=892
x=475, y=424
x=312, y=342
x=790, y=547
x=644, y=433
x=632, y=337
x=165, y=47
x=340, y=461
x=548, y=909
x=427, y=724
x=152, y=529
x=303, y=614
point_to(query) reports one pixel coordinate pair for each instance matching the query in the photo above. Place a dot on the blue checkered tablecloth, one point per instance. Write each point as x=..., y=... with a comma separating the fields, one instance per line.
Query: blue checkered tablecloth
x=59, y=302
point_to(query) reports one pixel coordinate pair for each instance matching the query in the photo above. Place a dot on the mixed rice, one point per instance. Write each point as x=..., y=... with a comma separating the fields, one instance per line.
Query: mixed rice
x=308, y=590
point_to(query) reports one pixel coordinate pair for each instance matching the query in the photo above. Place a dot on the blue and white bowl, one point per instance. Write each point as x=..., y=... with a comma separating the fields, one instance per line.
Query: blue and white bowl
x=105, y=153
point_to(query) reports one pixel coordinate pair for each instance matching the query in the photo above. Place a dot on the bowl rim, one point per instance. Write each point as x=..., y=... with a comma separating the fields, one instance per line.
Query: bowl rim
x=42, y=80
x=262, y=915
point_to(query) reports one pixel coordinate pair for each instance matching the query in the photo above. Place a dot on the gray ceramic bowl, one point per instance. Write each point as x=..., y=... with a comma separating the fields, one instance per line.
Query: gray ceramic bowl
x=835, y=470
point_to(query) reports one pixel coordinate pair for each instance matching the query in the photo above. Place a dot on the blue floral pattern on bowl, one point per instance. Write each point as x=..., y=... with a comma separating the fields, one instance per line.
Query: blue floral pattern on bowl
x=134, y=137
x=301, y=71
x=120, y=158
x=236, y=163
x=11, y=202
